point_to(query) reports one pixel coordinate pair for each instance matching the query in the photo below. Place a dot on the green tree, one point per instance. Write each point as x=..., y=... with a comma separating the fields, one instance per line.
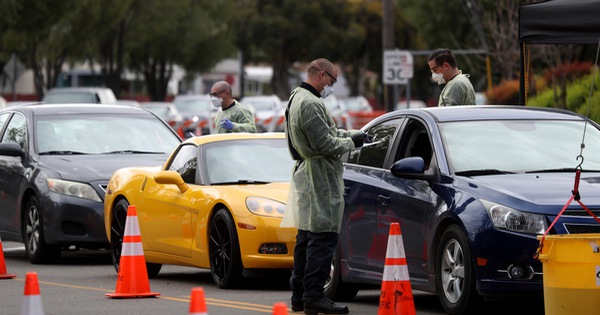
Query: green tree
x=166, y=33
x=282, y=32
x=42, y=33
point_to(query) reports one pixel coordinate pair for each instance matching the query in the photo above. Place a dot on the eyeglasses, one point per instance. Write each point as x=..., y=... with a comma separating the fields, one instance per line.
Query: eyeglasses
x=332, y=78
x=215, y=94
x=434, y=69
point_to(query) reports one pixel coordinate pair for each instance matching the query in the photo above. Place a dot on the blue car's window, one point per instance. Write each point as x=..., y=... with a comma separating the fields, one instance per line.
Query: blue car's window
x=374, y=153
x=244, y=160
x=16, y=131
x=519, y=146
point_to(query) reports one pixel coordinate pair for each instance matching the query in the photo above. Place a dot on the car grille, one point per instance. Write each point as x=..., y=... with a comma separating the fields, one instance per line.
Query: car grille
x=582, y=228
x=582, y=213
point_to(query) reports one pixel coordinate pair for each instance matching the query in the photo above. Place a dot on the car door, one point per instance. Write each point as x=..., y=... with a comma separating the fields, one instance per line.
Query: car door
x=408, y=201
x=360, y=242
x=167, y=212
x=11, y=173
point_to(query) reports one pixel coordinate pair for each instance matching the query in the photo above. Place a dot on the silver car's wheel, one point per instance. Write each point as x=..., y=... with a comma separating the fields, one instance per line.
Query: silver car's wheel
x=455, y=273
x=36, y=248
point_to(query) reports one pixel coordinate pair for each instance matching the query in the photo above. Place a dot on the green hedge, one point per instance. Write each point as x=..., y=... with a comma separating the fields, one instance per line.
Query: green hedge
x=578, y=93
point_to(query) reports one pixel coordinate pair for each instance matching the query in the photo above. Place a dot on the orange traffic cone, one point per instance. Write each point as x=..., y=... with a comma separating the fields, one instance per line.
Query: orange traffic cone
x=3, y=274
x=197, y=303
x=280, y=308
x=132, y=281
x=396, y=294
x=32, y=300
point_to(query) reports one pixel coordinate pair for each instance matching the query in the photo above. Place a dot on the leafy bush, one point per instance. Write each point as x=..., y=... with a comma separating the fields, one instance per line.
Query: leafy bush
x=506, y=93
x=578, y=93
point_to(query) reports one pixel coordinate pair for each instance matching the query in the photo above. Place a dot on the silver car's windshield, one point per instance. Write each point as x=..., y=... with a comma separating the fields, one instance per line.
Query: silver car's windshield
x=517, y=146
x=99, y=134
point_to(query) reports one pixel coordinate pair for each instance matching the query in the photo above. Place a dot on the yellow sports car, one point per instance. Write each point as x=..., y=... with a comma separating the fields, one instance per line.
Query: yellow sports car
x=216, y=203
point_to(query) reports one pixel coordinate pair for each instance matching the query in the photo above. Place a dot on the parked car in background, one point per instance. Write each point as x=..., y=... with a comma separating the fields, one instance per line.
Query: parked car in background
x=96, y=95
x=217, y=203
x=266, y=108
x=338, y=112
x=166, y=111
x=55, y=163
x=357, y=104
x=404, y=104
x=197, y=112
x=360, y=112
x=472, y=188
x=128, y=102
x=480, y=98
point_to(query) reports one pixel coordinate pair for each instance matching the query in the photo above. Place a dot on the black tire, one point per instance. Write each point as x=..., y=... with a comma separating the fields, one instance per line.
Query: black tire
x=117, y=231
x=153, y=269
x=38, y=252
x=224, y=250
x=335, y=288
x=455, y=274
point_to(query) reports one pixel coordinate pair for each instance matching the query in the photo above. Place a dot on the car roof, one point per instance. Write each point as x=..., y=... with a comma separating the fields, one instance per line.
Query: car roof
x=48, y=109
x=488, y=112
x=191, y=97
x=77, y=89
x=219, y=137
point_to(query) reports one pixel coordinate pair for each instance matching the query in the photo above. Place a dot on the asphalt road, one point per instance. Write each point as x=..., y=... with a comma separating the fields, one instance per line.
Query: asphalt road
x=79, y=282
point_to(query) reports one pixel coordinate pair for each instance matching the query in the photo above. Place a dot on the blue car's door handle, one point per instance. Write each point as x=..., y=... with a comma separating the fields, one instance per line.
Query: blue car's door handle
x=384, y=200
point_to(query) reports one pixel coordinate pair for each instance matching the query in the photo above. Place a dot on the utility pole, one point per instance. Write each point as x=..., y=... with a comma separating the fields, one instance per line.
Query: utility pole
x=389, y=95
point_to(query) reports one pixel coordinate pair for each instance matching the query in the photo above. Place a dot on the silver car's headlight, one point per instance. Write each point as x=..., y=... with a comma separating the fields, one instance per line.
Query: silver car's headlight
x=510, y=219
x=73, y=189
x=265, y=207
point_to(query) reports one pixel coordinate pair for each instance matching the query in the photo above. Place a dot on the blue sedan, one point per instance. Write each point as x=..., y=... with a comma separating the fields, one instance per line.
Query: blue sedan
x=472, y=188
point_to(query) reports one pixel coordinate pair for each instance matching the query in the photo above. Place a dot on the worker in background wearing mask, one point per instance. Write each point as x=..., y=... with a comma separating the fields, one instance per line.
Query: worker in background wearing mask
x=315, y=202
x=458, y=90
x=234, y=117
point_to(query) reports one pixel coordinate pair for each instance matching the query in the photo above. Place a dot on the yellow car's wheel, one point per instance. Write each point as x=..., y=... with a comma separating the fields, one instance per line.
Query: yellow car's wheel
x=224, y=249
x=117, y=229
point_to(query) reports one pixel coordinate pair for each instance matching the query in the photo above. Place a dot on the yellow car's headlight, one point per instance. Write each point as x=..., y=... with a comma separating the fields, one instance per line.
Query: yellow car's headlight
x=73, y=189
x=265, y=207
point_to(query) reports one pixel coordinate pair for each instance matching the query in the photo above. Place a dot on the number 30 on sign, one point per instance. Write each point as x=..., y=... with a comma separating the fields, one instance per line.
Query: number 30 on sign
x=397, y=66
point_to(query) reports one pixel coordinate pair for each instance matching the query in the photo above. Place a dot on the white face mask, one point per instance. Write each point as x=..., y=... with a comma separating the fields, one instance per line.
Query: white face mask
x=438, y=78
x=327, y=90
x=216, y=101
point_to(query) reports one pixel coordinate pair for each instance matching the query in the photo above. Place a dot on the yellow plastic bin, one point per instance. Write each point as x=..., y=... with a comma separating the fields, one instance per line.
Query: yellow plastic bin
x=571, y=274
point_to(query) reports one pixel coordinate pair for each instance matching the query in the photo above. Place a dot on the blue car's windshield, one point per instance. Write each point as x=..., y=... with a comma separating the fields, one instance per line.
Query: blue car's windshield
x=516, y=146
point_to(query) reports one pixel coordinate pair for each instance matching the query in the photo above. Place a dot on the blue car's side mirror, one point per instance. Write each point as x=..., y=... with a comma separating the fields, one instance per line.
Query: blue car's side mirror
x=413, y=168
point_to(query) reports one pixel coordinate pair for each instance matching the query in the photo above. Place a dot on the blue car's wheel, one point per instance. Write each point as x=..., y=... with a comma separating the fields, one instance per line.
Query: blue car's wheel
x=335, y=288
x=455, y=274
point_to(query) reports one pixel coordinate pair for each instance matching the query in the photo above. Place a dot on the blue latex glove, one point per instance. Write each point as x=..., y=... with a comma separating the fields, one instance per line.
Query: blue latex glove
x=226, y=124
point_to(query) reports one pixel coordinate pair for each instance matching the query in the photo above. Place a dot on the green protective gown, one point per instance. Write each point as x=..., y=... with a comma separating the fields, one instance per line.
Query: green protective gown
x=241, y=117
x=458, y=91
x=315, y=201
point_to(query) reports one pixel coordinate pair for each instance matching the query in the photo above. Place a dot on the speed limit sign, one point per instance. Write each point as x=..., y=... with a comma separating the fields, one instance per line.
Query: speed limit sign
x=397, y=66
